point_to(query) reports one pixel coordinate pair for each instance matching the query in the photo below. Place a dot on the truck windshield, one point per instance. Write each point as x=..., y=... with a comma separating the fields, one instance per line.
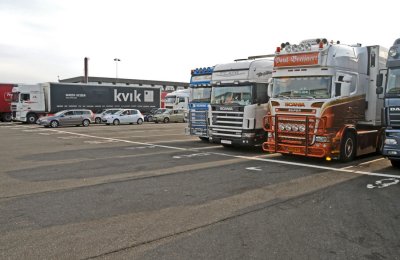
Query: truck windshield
x=240, y=95
x=202, y=94
x=170, y=99
x=393, y=83
x=302, y=87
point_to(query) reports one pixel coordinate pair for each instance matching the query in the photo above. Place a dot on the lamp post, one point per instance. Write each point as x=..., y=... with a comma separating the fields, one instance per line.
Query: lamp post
x=116, y=69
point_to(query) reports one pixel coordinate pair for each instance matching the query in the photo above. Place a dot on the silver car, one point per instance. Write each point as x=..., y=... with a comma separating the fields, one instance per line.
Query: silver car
x=125, y=116
x=99, y=117
x=76, y=117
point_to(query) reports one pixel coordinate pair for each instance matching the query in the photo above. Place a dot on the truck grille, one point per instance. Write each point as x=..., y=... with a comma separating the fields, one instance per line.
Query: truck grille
x=293, y=134
x=198, y=122
x=394, y=117
x=227, y=123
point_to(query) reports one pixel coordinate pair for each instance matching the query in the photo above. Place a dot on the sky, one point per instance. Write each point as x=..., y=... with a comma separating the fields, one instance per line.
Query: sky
x=47, y=40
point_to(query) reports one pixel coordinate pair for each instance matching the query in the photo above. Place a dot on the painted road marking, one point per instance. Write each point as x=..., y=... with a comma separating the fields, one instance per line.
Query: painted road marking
x=144, y=136
x=118, y=140
x=69, y=137
x=139, y=147
x=191, y=155
x=383, y=183
x=256, y=158
x=253, y=168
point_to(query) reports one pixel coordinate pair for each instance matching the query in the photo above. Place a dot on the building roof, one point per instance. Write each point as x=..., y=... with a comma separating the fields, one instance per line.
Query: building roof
x=80, y=79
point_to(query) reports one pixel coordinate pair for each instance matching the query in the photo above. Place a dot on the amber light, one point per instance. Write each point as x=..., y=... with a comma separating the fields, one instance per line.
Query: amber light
x=274, y=103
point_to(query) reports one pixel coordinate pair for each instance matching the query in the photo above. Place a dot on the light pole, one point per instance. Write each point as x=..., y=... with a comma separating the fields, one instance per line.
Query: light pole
x=116, y=69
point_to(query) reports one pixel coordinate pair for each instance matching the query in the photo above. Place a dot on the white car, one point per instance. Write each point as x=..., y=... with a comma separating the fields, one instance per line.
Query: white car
x=99, y=117
x=124, y=116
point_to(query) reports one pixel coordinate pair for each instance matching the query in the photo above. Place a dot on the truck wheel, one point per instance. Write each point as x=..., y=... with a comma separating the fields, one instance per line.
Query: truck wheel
x=166, y=120
x=7, y=117
x=140, y=121
x=395, y=163
x=97, y=120
x=348, y=147
x=116, y=122
x=85, y=123
x=54, y=124
x=31, y=119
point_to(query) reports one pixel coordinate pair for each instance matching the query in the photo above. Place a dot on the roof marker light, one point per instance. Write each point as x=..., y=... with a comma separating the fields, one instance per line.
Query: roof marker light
x=321, y=45
x=278, y=49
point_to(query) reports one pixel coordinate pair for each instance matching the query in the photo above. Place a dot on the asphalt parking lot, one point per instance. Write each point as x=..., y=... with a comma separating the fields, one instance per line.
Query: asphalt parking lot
x=150, y=192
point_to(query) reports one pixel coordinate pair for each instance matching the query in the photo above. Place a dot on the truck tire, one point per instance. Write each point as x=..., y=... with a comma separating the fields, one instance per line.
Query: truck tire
x=85, y=123
x=54, y=124
x=7, y=117
x=97, y=120
x=31, y=118
x=116, y=122
x=166, y=120
x=395, y=163
x=348, y=147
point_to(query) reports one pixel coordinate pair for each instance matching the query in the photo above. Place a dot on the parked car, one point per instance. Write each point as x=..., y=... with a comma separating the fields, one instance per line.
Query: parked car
x=154, y=111
x=98, y=117
x=170, y=115
x=76, y=117
x=125, y=116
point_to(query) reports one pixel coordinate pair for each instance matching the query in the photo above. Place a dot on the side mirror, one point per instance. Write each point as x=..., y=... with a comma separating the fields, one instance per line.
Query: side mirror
x=379, y=90
x=379, y=81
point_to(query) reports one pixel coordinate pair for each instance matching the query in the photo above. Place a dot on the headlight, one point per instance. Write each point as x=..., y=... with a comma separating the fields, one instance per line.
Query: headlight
x=288, y=48
x=393, y=52
x=302, y=128
x=295, y=128
x=288, y=127
x=307, y=46
x=302, y=47
x=390, y=141
x=295, y=48
x=281, y=127
x=321, y=139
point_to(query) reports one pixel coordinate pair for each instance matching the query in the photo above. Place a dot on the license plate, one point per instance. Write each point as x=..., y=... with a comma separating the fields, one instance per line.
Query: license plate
x=226, y=142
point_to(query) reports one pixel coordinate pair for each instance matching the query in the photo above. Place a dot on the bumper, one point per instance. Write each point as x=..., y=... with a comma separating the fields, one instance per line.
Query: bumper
x=43, y=123
x=391, y=152
x=248, y=139
x=200, y=132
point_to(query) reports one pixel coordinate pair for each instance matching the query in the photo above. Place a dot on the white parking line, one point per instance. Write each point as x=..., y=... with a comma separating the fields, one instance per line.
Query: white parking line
x=256, y=158
x=118, y=140
x=344, y=169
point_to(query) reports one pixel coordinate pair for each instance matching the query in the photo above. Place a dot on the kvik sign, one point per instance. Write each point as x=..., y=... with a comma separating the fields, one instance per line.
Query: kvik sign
x=298, y=59
x=132, y=97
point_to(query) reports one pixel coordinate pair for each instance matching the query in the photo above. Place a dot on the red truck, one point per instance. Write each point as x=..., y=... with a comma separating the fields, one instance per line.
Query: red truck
x=5, y=102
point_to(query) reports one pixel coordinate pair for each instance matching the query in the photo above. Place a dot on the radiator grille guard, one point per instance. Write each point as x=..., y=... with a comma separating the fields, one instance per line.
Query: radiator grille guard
x=294, y=134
